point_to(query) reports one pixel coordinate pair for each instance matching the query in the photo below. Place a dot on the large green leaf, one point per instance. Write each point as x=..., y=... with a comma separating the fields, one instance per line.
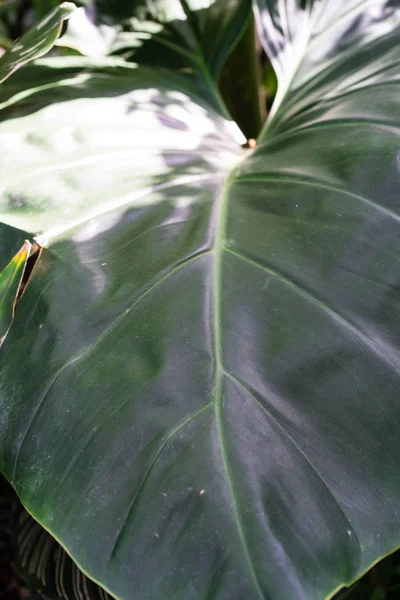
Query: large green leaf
x=36, y=42
x=199, y=393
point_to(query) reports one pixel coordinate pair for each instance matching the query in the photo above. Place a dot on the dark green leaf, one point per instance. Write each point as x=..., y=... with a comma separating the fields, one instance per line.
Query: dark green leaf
x=199, y=394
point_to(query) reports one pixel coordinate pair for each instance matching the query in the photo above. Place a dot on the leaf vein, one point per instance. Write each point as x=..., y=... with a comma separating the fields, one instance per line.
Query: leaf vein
x=146, y=476
x=310, y=296
x=254, y=395
x=94, y=345
x=312, y=181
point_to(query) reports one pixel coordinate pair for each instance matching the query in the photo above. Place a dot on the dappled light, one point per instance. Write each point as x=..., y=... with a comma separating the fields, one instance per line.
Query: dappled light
x=170, y=138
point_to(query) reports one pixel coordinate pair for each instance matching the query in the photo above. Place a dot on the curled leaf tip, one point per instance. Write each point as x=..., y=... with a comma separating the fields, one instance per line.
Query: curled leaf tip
x=68, y=7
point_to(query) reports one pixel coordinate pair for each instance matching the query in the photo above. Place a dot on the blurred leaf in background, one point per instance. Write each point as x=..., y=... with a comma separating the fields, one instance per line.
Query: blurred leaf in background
x=43, y=7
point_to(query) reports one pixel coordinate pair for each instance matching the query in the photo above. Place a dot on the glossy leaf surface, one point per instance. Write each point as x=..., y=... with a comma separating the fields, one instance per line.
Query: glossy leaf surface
x=199, y=394
x=10, y=282
x=323, y=50
x=36, y=42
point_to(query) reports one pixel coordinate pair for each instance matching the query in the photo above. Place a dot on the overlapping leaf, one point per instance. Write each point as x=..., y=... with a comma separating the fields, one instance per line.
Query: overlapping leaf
x=37, y=42
x=10, y=282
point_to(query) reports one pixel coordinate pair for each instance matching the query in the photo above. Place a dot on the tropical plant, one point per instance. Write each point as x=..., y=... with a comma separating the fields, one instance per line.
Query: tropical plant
x=200, y=369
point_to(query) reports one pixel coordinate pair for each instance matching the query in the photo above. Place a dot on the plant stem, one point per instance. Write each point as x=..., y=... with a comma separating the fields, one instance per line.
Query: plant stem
x=240, y=83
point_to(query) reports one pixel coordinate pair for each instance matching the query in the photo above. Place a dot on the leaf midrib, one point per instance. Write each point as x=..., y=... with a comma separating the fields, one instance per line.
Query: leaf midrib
x=220, y=223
